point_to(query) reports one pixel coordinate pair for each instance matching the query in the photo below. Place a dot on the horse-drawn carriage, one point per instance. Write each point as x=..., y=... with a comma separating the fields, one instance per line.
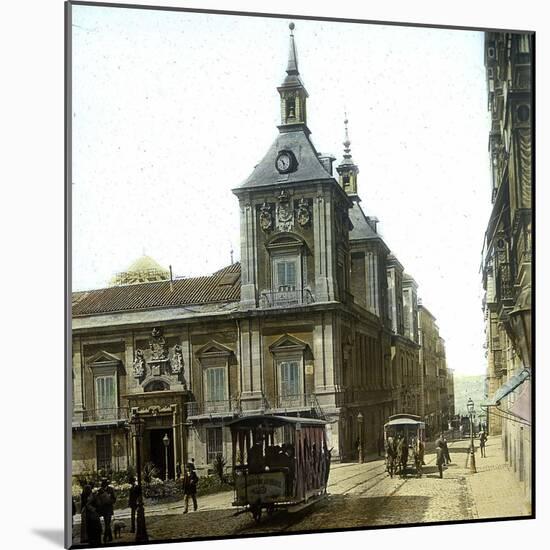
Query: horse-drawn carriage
x=404, y=441
x=278, y=462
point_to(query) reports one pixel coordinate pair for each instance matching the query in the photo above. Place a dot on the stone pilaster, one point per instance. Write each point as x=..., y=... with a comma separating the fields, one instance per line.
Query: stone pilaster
x=78, y=382
x=249, y=268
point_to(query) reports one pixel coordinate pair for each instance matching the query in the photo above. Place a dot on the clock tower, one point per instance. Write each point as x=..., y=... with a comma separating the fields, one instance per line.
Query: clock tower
x=294, y=215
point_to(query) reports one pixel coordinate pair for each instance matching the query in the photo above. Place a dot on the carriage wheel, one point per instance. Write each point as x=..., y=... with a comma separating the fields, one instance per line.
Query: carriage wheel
x=256, y=513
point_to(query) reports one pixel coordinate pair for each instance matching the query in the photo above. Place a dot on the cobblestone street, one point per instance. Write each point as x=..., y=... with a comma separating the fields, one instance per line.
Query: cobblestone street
x=360, y=495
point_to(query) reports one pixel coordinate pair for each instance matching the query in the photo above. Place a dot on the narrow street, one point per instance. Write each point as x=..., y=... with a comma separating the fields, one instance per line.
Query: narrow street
x=359, y=495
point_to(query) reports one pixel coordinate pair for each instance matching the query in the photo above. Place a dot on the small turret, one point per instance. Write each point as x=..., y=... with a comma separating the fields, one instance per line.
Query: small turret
x=347, y=169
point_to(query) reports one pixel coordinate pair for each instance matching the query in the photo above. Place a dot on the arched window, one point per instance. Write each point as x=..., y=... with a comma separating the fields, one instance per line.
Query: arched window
x=288, y=271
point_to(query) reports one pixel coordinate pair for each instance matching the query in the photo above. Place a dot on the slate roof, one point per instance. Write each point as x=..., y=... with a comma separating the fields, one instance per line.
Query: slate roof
x=361, y=228
x=309, y=165
x=222, y=286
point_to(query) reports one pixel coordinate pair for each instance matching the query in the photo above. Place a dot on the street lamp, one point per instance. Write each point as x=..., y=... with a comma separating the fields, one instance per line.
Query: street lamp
x=137, y=426
x=360, y=428
x=471, y=408
x=166, y=441
x=117, y=455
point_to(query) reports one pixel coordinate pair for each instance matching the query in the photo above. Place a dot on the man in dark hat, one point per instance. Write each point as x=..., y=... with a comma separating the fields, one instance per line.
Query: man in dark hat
x=106, y=499
x=189, y=482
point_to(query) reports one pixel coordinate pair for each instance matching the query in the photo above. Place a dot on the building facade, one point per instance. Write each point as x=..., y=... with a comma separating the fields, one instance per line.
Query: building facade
x=317, y=319
x=507, y=258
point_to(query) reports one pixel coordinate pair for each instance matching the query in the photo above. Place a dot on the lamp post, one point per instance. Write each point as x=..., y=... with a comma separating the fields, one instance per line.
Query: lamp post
x=166, y=441
x=360, y=429
x=471, y=408
x=137, y=425
x=117, y=455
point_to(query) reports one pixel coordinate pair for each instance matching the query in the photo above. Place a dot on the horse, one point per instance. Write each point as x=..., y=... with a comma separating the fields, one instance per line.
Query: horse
x=402, y=456
x=391, y=455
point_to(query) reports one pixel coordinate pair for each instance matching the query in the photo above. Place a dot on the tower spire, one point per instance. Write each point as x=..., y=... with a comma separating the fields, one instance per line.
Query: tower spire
x=293, y=92
x=347, y=169
x=292, y=67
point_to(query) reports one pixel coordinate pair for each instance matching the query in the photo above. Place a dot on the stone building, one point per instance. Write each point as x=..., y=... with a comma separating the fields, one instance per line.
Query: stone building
x=507, y=251
x=305, y=324
x=433, y=371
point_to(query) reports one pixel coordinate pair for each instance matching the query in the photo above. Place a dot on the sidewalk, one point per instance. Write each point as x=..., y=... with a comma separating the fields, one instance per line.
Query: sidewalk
x=494, y=488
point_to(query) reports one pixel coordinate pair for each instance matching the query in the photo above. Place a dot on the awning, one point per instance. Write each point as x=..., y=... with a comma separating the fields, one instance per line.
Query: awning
x=508, y=388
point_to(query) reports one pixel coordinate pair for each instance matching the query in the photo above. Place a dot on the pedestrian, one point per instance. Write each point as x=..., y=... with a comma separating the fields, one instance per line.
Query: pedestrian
x=133, y=496
x=482, y=441
x=189, y=483
x=446, y=449
x=106, y=499
x=461, y=430
x=440, y=458
x=84, y=496
x=93, y=521
x=178, y=470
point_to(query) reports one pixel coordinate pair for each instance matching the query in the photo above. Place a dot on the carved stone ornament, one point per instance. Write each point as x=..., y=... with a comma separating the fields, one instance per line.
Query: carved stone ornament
x=266, y=217
x=285, y=215
x=139, y=364
x=303, y=213
x=177, y=361
x=157, y=344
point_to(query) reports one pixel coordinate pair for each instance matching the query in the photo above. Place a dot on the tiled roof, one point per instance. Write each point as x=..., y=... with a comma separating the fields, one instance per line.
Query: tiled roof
x=222, y=286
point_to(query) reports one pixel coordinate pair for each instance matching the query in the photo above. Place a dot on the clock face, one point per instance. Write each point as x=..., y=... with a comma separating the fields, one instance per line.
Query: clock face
x=284, y=162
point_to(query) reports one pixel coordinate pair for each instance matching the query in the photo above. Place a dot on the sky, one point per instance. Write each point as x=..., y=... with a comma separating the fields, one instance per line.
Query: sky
x=173, y=110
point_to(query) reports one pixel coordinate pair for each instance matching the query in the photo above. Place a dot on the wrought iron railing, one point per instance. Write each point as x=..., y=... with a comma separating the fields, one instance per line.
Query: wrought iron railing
x=286, y=297
x=98, y=415
x=296, y=401
x=288, y=403
x=196, y=408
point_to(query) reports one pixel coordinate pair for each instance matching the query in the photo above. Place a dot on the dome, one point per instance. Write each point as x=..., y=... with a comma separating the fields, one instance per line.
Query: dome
x=142, y=270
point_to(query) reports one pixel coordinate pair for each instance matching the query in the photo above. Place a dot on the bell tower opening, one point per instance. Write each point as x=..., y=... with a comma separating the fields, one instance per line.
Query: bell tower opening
x=293, y=93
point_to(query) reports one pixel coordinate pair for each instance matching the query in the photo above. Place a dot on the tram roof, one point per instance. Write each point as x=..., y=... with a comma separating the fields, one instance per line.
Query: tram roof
x=404, y=421
x=273, y=420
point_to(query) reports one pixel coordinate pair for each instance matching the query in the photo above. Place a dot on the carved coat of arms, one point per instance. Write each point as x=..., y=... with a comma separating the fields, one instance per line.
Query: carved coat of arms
x=157, y=344
x=266, y=217
x=303, y=213
x=139, y=364
x=285, y=215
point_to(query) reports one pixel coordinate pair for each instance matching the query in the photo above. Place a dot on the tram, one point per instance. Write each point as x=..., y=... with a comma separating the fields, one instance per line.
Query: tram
x=404, y=441
x=279, y=462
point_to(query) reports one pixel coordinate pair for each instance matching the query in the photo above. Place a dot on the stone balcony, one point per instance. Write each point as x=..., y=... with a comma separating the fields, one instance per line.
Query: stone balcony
x=117, y=416
x=286, y=298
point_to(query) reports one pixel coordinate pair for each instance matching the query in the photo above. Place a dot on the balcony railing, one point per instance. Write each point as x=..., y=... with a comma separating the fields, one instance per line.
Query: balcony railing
x=297, y=401
x=286, y=297
x=105, y=415
x=225, y=406
x=237, y=407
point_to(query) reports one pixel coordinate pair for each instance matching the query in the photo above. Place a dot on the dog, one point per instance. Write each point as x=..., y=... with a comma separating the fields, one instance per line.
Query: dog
x=118, y=526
